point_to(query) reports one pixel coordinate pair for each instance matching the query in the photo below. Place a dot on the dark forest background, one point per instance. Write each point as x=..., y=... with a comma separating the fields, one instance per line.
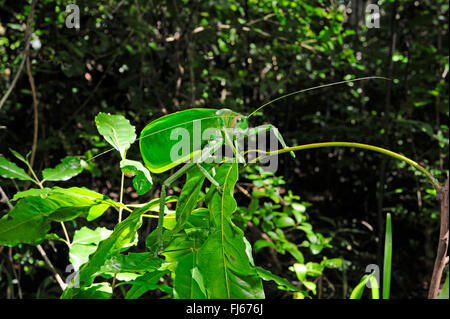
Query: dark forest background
x=144, y=59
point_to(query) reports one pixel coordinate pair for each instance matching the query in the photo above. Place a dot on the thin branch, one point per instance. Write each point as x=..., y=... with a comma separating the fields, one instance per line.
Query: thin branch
x=58, y=278
x=25, y=54
x=35, y=111
x=441, y=255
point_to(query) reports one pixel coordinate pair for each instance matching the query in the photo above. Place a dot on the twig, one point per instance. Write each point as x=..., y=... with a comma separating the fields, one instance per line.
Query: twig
x=58, y=278
x=441, y=255
x=11, y=260
x=25, y=54
x=35, y=111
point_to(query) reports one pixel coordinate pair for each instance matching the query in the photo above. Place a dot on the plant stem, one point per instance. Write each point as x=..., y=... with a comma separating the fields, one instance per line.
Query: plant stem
x=42, y=186
x=25, y=53
x=387, y=258
x=36, y=179
x=433, y=181
x=156, y=216
x=121, y=197
x=441, y=254
x=65, y=233
x=58, y=278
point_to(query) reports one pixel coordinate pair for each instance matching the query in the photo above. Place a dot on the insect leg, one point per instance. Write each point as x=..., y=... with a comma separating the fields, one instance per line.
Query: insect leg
x=210, y=178
x=265, y=128
x=162, y=199
x=234, y=146
x=207, y=152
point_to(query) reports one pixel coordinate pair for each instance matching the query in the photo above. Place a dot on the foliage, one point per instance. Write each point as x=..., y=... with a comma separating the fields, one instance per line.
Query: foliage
x=145, y=60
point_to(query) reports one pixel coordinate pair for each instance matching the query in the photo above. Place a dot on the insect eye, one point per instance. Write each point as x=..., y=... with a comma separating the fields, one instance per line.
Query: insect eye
x=238, y=119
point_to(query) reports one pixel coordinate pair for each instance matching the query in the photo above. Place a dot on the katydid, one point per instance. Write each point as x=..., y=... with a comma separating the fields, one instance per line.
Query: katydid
x=157, y=141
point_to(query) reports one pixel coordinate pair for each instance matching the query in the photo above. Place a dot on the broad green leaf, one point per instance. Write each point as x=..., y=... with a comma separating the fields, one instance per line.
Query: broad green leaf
x=310, y=286
x=70, y=166
x=189, y=196
x=124, y=233
x=284, y=221
x=142, y=180
x=300, y=270
x=25, y=223
x=42, y=192
x=332, y=263
x=294, y=251
x=84, y=243
x=146, y=283
x=133, y=262
x=222, y=260
x=100, y=290
x=182, y=256
x=10, y=170
x=29, y=221
x=314, y=269
x=281, y=282
x=117, y=131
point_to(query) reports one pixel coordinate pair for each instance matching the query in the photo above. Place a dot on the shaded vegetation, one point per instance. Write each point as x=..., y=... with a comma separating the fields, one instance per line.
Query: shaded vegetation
x=320, y=220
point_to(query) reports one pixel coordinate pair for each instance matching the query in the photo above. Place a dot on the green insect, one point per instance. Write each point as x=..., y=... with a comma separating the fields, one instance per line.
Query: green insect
x=157, y=142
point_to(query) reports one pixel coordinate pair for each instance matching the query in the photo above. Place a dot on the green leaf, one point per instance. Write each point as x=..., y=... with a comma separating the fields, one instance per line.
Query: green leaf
x=29, y=221
x=314, y=269
x=142, y=181
x=18, y=156
x=300, y=270
x=10, y=170
x=52, y=236
x=189, y=195
x=284, y=221
x=310, y=286
x=332, y=263
x=374, y=287
x=24, y=224
x=133, y=262
x=387, y=262
x=146, y=283
x=359, y=289
x=124, y=234
x=117, y=131
x=84, y=243
x=226, y=268
x=182, y=255
x=261, y=243
x=100, y=290
x=43, y=192
x=294, y=251
x=281, y=282
x=70, y=166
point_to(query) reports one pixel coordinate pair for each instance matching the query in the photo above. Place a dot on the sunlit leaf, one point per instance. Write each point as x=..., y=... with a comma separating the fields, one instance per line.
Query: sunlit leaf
x=117, y=130
x=142, y=180
x=70, y=166
x=10, y=170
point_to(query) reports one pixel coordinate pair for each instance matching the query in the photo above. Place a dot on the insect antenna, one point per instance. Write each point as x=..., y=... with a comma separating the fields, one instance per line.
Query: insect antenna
x=317, y=87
